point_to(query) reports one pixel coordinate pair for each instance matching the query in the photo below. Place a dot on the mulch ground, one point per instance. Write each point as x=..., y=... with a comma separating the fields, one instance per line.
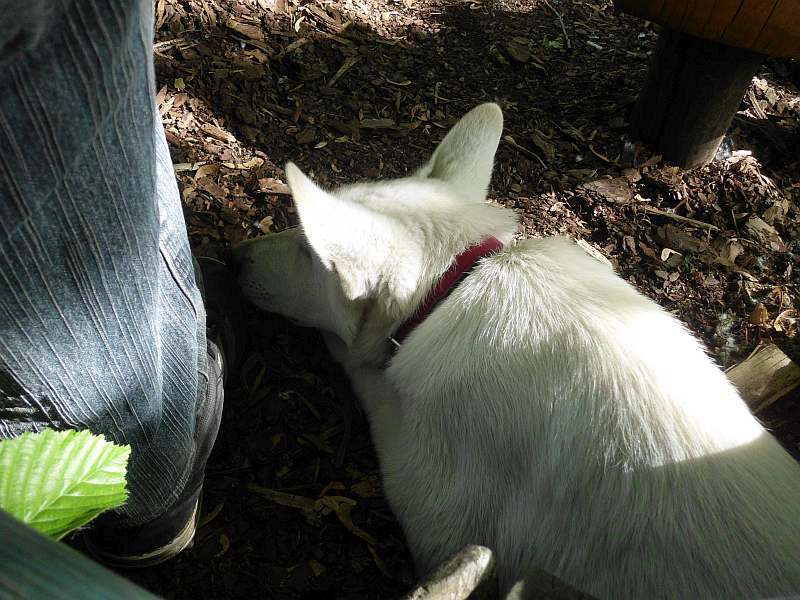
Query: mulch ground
x=355, y=89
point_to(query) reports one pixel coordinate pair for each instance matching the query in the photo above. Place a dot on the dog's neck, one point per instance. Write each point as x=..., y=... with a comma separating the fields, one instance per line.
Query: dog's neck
x=379, y=333
x=462, y=265
x=403, y=285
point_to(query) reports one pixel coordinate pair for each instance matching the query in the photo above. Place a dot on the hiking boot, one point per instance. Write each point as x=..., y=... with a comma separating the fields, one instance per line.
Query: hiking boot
x=169, y=534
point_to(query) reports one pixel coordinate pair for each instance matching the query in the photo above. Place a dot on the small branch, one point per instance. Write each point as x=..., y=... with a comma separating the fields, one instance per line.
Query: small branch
x=346, y=66
x=560, y=20
x=756, y=106
x=669, y=215
x=529, y=153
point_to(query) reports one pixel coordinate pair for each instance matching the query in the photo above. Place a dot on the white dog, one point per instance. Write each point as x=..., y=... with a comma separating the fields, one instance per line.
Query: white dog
x=544, y=408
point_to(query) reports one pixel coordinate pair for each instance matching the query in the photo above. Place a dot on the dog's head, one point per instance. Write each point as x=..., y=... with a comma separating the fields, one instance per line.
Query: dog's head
x=378, y=244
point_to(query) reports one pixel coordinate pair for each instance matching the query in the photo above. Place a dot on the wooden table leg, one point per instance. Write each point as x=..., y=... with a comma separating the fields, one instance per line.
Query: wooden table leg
x=693, y=90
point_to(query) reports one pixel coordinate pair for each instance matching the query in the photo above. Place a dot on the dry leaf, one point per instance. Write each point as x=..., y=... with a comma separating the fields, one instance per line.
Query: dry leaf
x=380, y=564
x=369, y=487
x=316, y=567
x=273, y=186
x=265, y=224
x=765, y=234
x=787, y=321
x=217, y=133
x=647, y=250
x=225, y=542
x=209, y=185
x=208, y=517
x=205, y=171
x=629, y=243
x=518, y=51
x=180, y=167
x=306, y=136
x=671, y=257
x=248, y=164
x=541, y=142
x=284, y=498
x=342, y=507
x=759, y=316
x=180, y=99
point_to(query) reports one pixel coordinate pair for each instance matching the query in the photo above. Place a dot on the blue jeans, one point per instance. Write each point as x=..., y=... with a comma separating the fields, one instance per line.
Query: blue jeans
x=102, y=326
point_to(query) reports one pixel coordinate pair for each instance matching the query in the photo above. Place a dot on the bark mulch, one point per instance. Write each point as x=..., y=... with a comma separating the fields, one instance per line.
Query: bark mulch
x=354, y=89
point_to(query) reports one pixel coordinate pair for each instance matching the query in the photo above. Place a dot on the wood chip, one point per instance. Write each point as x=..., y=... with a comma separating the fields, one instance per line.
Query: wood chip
x=518, y=52
x=249, y=31
x=377, y=124
x=765, y=234
x=273, y=186
x=617, y=190
x=675, y=237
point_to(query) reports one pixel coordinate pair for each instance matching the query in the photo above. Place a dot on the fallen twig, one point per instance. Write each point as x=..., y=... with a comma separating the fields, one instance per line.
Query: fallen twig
x=348, y=63
x=669, y=215
x=529, y=153
x=560, y=20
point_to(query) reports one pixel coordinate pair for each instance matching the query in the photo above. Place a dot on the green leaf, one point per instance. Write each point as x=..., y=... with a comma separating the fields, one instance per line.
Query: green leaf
x=57, y=481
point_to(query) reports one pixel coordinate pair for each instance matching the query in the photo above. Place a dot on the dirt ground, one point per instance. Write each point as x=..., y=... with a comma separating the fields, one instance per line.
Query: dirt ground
x=354, y=89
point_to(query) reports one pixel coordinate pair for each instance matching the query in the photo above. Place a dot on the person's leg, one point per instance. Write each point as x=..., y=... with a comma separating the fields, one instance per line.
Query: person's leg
x=102, y=326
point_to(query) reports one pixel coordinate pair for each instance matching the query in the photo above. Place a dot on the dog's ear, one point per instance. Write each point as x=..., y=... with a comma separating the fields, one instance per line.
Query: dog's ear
x=334, y=229
x=465, y=157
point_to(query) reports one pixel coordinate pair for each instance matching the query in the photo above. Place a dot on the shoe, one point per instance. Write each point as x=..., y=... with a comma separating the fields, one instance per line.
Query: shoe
x=169, y=534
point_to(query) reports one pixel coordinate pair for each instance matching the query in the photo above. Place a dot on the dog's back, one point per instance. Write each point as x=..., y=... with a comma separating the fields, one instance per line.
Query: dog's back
x=588, y=434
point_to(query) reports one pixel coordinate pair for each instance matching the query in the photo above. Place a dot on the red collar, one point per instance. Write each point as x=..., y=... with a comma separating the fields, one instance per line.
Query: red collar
x=461, y=267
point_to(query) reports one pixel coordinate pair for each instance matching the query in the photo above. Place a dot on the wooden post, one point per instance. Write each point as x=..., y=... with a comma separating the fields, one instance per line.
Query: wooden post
x=765, y=376
x=691, y=94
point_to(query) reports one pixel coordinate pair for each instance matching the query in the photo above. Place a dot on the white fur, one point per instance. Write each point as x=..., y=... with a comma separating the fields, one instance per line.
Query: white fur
x=546, y=409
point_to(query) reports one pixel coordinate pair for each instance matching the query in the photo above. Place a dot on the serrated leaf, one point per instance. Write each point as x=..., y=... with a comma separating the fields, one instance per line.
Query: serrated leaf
x=57, y=481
